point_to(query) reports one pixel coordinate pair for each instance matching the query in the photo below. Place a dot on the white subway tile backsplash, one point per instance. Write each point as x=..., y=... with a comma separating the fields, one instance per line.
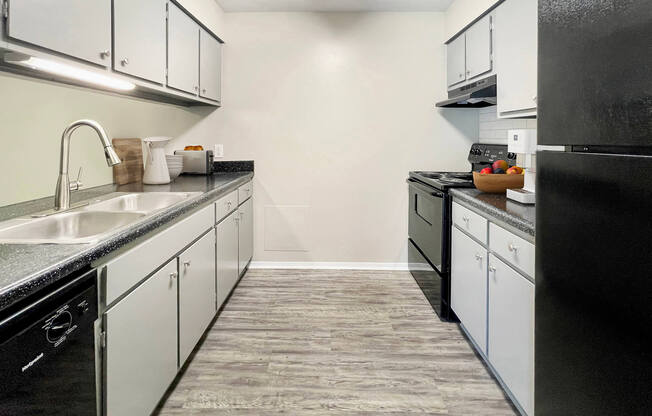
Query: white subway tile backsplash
x=494, y=130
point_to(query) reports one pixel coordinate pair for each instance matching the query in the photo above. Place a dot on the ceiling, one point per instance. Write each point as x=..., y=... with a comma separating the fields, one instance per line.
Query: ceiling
x=334, y=5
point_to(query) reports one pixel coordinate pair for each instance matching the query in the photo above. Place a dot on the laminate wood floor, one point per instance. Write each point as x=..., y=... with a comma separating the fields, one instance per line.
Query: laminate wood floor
x=317, y=342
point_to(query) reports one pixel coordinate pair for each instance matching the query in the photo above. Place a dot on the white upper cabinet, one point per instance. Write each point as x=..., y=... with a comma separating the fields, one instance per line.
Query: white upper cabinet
x=78, y=28
x=455, y=61
x=139, y=38
x=183, y=51
x=210, y=66
x=478, y=48
x=516, y=58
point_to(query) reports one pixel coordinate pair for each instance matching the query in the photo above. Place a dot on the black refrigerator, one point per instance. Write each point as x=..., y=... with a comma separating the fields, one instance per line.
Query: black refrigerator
x=593, y=312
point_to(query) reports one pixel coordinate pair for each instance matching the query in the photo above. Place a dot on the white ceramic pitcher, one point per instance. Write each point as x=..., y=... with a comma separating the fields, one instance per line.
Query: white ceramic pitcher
x=156, y=168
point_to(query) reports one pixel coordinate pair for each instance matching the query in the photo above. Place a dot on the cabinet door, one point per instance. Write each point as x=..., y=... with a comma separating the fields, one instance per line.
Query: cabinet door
x=511, y=330
x=183, y=51
x=246, y=234
x=227, y=256
x=78, y=28
x=469, y=286
x=139, y=38
x=478, y=48
x=456, y=61
x=210, y=66
x=516, y=58
x=141, y=345
x=196, y=293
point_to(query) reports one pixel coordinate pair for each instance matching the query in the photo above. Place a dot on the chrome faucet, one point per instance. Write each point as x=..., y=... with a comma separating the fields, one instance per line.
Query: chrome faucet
x=62, y=192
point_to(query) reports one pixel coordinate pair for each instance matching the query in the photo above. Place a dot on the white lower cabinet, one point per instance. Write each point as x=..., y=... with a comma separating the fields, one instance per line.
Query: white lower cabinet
x=246, y=234
x=196, y=293
x=226, y=251
x=511, y=330
x=141, y=345
x=469, y=286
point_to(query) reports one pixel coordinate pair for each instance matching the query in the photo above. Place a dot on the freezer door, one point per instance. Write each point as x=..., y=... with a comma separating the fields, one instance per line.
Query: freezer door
x=594, y=72
x=593, y=284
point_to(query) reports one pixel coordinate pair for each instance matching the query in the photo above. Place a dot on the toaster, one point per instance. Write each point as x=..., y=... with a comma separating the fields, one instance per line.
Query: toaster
x=196, y=162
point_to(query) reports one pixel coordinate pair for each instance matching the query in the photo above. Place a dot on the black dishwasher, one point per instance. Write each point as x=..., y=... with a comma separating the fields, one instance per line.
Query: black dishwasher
x=47, y=351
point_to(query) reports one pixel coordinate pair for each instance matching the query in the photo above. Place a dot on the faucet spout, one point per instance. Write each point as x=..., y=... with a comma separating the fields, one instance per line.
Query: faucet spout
x=62, y=192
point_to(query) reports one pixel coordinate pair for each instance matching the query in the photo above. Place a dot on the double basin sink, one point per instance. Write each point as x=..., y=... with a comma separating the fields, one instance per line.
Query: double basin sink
x=92, y=222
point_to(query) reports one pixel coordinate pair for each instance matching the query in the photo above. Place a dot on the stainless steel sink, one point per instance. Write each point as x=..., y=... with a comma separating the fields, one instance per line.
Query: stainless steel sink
x=90, y=223
x=142, y=202
x=76, y=227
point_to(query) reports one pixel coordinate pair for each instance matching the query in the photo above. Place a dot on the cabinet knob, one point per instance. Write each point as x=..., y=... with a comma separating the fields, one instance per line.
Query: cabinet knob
x=196, y=88
x=125, y=62
x=228, y=204
x=236, y=218
x=203, y=91
x=492, y=269
x=105, y=54
x=534, y=98
x=174, y=275
x=466, y=219
x=478, y=257
x=512, y=247
x=186, y=264
x=461, y=75
x=468, y=72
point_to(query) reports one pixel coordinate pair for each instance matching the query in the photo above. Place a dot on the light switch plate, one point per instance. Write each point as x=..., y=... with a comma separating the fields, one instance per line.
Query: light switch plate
x=219, y=150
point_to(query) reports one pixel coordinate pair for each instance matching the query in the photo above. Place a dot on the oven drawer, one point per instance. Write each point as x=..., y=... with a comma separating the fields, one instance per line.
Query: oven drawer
x=431, y=283
x=426, y=224
x=470, y=222
x=518, y=252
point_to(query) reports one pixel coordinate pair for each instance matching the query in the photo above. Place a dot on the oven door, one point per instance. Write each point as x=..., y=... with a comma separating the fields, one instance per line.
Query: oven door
x=426, y=223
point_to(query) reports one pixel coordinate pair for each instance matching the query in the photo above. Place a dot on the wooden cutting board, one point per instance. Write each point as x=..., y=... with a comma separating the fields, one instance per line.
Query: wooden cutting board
x=130, y=152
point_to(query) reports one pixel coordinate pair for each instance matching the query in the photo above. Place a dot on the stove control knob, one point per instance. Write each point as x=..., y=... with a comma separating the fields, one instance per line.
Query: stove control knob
x=511, y=155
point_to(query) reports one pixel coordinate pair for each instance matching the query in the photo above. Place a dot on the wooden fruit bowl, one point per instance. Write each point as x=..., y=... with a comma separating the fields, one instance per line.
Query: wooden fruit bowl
x=497, y=183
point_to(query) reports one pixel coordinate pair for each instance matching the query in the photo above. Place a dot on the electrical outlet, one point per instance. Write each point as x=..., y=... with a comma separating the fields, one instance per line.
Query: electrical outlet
x=219, y=150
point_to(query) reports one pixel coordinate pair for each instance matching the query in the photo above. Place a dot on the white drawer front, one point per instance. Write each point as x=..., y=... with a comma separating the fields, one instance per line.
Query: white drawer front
x=470, y=222
x=518, y=252
x=245, y=191
x=125, y=271
x=226, y=205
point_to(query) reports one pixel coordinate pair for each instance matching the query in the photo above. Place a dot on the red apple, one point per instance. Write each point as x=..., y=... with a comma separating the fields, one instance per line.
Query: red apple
x=500, y=164
x=487, y=170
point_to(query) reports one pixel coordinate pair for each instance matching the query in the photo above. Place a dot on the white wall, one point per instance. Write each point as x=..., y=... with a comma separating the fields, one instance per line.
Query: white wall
x=462, y=12
x=494, y=130
x=335, y=109
x=33, y=114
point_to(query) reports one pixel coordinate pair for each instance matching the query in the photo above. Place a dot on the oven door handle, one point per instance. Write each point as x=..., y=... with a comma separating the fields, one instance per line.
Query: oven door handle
x=424, y=188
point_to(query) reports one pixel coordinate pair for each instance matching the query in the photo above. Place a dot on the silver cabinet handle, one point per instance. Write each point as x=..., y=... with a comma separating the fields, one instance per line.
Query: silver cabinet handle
x=512, y=247
x=174, y=275
x=105, y=54
x=186, y=264
x=478, y=257
x=125, y=62
x=492, y=269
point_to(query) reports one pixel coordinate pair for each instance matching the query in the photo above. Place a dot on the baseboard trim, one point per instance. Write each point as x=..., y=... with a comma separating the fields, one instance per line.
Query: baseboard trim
x=328, y=265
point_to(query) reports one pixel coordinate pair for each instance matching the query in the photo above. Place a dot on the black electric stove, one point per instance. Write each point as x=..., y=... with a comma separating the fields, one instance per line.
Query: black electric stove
x=430, y=224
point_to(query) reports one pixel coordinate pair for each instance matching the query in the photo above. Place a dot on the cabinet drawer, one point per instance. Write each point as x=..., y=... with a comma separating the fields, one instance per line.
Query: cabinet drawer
x=225, y=205
x=245, y=191
x=518, y=252
x=125, y=271
x=470, y=222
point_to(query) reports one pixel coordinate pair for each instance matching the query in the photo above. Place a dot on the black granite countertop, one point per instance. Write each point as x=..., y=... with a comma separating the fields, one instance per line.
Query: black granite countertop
x=518, y=217
x=27, y=268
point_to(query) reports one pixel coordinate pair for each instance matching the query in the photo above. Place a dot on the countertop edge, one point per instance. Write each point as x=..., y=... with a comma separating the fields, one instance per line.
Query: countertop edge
x=30, y=284
x=503, y=218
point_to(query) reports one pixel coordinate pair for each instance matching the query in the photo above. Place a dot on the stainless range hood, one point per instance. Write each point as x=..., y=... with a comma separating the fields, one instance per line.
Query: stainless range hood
x=477, y=94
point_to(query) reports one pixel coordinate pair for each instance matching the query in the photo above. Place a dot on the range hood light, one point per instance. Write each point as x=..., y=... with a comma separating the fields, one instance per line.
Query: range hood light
x=69, y=71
